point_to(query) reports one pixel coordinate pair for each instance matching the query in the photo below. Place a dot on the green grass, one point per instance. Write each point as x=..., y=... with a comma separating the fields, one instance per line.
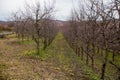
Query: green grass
x=33, y=54
x=11, y=36
x=2, y=76
x=24, y=42
x=60, y=53
x=0, y=53
x=91, y=74
x=110, y=69
x=111, y=72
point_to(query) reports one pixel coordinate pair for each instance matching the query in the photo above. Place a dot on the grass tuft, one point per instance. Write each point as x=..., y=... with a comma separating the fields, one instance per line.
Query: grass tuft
x=91, y=74
x=2, y=76
x=33, y=54
x=24, y=42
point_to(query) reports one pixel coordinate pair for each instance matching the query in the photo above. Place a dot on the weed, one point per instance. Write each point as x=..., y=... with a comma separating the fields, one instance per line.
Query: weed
x=2, y=76
x=33, y=54
x=24, y=42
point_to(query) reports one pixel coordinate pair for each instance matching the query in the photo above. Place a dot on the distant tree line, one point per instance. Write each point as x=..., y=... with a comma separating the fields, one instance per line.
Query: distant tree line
x=5, y=28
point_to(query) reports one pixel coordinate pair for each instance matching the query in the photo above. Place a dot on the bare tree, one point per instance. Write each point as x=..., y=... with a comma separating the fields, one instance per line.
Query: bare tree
x=34, y=21
x=94, y=28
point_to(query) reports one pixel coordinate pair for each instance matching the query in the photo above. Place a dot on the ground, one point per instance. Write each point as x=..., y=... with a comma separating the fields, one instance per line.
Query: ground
x=58, y=63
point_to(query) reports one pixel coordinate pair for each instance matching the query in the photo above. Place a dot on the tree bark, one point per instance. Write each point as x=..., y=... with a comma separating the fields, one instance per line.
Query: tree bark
x=104, y=66
x=38, y=48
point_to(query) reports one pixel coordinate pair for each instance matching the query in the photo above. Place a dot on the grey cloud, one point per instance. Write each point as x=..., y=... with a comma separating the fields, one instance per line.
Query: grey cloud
x=63, y=7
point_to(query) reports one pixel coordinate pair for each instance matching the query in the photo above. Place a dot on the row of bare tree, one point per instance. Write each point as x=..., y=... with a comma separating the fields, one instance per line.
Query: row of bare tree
x=35, y=22
x=94, y=28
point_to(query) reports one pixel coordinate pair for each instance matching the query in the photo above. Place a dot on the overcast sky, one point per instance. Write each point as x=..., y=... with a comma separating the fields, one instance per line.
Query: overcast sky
x=7, y=6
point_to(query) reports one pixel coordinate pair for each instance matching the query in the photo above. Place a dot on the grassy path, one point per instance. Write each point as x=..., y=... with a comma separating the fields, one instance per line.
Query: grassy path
x=63, y=56
x=60, y=61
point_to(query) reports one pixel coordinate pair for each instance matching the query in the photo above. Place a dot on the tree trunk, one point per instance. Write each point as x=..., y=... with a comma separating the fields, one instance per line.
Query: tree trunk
x=78, y=52
x=82, y=54
x=22, y=37
x=87, y=54
x=98, y=50
x=38, y=48
x=93, y=53
x=87, y=59
x=92, y=62
x=113, y=56
x=104, y=66
x=45, y=44
x=102, y=52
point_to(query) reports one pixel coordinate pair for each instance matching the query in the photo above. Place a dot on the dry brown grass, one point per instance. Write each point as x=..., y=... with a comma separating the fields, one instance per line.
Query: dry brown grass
x=22, y=68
